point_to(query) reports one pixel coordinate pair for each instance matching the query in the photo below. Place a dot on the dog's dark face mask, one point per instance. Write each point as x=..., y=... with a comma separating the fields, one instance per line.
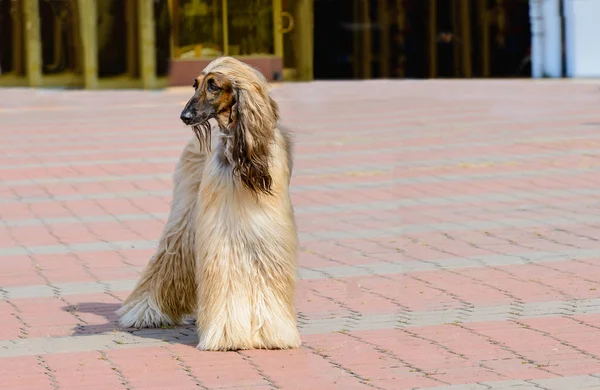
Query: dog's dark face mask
x=213, y=98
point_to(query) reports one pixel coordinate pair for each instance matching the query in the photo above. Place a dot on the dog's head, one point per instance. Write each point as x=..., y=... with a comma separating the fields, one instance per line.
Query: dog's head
x=237, y=96
x=213, y=97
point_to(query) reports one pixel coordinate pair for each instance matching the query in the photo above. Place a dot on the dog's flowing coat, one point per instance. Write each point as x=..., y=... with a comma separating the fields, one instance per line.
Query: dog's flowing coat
x=228, y=251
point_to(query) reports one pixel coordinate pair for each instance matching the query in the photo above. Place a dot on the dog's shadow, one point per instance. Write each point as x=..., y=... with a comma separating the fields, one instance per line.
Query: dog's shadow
x=185, y=334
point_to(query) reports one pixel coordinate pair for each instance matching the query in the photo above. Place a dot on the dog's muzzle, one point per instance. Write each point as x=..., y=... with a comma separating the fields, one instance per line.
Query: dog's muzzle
x=191, y=118
x=187, y=117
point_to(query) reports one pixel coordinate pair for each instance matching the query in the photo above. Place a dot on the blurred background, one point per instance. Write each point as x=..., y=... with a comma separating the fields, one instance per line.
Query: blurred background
x=158, y=43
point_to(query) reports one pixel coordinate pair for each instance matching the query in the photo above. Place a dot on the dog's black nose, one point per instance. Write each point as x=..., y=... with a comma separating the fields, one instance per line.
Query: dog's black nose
x=186, y=116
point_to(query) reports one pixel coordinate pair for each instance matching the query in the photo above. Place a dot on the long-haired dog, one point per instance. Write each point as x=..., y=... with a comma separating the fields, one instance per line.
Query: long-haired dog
x=228, y=251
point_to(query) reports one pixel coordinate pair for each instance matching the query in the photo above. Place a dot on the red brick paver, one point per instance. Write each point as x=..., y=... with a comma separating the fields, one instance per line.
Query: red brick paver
x=450, y=238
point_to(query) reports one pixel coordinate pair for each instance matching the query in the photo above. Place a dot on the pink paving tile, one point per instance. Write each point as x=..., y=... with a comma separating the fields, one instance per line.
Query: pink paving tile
x=410, y=292
x=154, y=184
x=84, y=188
x=573, y=367
x=521, y=288
x=574, y=279
x=468, y=374
x=61, y=268
x=87, y=207
x=23, y=372
x=96, y=310
x=83, y=370
x=464, y=287
x=122, y=205
x=31, y=235
x=112, y=231
x=149, y=229
x=85, y=170
x=151, y=367
x=519, y=369
x=119, y=186
x=541, y=147
x=10, y=326
x=589, y=319
x=418, y=352
x=538, y=346
x=312, y=260
x=6, y=193
x=6, y=241
x=449, y=353
x=351, y=293
x=300, y=369
x=370, y=246
x=568, y=331
x=328, y=248
x=22, y=276
x=455, y=338
x=16, y=265
x=365, y=360
x=137, y=257
x=71, y=233
x=115, y=273
x=122, y=295
x=316, y=306
x=157, y=204
x=46, y=317
x=49, y=209
x=104, y=259
x=218, y=370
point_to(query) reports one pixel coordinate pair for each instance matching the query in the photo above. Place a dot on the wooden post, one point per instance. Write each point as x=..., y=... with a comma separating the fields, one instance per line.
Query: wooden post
x=432, y=38
x=277, y=29
x=33, y=43
x=456, y=38
x=132, y=11
x=501, y=21
x=147, y=43
x=225, y=28
x=75, y=47
x=485, y=37
x=16, y=14
x=356, y=52
x=305, y=36
x=88, y=24
x=367, y=55
x=465, y=17
x=174, y=15
x=402, y=28
x=386, y=42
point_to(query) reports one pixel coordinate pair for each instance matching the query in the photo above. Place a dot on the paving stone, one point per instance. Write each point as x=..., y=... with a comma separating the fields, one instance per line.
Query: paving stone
x=448, y=229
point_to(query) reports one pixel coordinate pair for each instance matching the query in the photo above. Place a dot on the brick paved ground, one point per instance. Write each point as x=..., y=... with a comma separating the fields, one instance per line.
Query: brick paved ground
x=450, y=238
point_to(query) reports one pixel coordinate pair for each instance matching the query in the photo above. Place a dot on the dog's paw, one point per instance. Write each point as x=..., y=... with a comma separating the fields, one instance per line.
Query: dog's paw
x=143, y=313
x=283, y=339
x=216, y=339
x=222, y=346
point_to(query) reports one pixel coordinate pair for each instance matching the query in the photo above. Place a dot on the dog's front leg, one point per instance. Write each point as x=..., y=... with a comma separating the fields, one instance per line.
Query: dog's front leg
x=166, y=291
x=224, y=318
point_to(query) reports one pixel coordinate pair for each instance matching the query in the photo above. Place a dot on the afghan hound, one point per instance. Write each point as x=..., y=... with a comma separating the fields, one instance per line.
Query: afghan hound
x=228, y=251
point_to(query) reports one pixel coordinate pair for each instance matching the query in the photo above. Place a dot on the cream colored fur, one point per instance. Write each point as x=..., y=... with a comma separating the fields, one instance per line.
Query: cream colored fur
x=227, y=255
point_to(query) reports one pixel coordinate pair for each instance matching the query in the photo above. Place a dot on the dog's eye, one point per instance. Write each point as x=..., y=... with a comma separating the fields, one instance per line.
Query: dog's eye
x=195, y=84
x=211, y=86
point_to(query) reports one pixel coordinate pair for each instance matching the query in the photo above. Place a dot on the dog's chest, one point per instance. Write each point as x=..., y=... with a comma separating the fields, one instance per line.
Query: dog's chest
x=225, y=204
x=231, y=214
x=235, y=226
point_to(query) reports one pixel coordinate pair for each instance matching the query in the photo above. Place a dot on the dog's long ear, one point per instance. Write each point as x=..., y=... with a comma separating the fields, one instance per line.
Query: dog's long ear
x=253, y=124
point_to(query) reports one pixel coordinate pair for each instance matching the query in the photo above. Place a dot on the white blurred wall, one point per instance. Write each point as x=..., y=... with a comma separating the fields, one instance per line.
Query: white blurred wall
x=582, y=36
x=582, y=20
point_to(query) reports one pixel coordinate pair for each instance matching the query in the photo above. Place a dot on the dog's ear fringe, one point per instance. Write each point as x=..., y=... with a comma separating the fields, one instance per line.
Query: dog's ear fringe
x=203, y=134
x=256, y=116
